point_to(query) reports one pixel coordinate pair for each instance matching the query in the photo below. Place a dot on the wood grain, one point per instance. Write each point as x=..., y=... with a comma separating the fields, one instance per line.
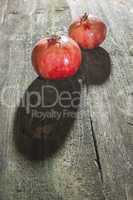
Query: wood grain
x=73, y=172
x=95, y=163
x=113, y=133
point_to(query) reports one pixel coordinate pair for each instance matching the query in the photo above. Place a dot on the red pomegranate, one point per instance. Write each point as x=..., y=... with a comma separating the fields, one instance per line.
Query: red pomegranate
x=88, y=31
x=56, y=57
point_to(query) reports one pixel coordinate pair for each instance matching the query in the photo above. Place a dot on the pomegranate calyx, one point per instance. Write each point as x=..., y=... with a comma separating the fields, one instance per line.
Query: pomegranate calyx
x=54, y=39
x=84, y=17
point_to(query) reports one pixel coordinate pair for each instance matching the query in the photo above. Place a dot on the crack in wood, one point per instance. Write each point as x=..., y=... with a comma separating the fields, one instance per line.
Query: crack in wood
x=96, y=150
x=131, y=124
x=13, y=12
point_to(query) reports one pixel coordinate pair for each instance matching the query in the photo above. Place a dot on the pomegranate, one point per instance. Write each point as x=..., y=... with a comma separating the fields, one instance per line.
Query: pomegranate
x=56, y=57
x=88, y=31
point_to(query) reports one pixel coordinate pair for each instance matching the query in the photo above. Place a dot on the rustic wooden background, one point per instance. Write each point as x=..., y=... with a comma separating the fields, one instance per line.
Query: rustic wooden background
x=96, y=160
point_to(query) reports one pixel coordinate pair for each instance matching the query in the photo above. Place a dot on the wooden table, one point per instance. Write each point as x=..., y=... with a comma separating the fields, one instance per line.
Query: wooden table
x=96, y=160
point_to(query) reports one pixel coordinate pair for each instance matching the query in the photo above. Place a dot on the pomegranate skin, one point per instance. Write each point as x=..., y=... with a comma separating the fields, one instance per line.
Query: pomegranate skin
x=56, y=57
x=88, y=31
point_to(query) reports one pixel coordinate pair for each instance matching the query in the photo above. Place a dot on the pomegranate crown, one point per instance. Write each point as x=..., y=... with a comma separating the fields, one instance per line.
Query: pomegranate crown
x=84, y=17
x=53, y=39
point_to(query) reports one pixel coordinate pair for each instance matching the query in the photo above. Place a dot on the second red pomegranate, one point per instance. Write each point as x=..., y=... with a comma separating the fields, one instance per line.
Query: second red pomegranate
x=88, y=31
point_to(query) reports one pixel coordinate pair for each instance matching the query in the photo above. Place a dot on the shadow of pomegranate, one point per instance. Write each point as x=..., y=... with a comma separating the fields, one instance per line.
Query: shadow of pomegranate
x=96, y=66
x=45, y=116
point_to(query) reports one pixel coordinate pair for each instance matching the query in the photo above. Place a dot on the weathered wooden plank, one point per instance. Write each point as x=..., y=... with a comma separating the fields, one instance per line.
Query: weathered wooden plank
x=3, y=10
x=123, y=133
x=73, y=172
x=113, y=134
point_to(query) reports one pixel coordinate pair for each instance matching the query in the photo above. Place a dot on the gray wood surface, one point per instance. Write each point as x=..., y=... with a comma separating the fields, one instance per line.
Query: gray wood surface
x=96, y=161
